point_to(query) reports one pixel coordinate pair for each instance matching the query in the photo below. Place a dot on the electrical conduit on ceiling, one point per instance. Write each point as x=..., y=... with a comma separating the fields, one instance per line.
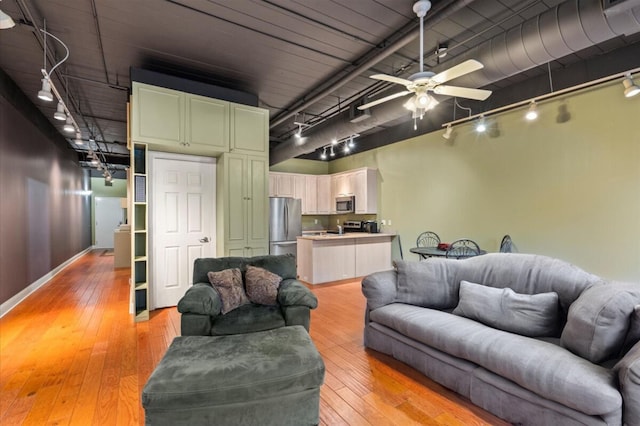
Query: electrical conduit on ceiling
x=565, y=29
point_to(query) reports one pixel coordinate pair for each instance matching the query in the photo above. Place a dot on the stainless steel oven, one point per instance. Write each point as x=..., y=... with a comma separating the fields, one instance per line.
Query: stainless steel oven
x=345, y=204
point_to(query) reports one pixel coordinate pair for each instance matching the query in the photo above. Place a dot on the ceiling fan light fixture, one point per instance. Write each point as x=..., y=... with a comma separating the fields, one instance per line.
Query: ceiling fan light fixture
x=481, y=125
x=45, y=93
x=532, y=112
x=630, y=88
x=60, y=114
x=447, y=133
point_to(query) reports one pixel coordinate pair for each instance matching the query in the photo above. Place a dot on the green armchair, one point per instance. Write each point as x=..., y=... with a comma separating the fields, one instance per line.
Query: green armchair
x=201, y=305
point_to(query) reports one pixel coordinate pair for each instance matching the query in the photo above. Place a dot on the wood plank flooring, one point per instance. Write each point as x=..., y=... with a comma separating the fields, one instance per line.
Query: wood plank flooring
x=70, y=354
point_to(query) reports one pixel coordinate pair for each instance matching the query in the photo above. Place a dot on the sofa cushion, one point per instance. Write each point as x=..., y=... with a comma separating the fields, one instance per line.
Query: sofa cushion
x=228, y=284
x=541, y=367
x=598, y=322
x=633, y=335
x=533, y=315
x=261, y=285
x=427, y=283
x=628, y=370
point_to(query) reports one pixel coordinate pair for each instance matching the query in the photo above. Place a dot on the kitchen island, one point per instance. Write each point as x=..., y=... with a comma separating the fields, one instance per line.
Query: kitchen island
x=332, y=257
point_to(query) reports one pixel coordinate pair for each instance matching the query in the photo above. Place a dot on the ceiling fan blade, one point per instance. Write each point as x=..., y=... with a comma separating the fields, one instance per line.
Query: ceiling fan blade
x=456, y=71
x=391, y=79
x=462, y=92
x=385, y=99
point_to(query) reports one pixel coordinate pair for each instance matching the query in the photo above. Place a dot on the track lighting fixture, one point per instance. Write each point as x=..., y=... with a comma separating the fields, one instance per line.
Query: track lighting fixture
x=78, y=139
x=324, y=153
x=45, y=93
x=108, y=177
x=351, y=142
x=441, y=51
x=532, y=112
x=68, y=126
x=6, y=21
x=331, y=153
x=60, y=114
x=448, y=132
x=630, y=88
x=334, y=141
x=346, y=148
x=481, y=125
x=348, y=145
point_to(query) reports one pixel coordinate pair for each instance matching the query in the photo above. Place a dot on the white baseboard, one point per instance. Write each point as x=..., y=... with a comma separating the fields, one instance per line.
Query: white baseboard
x=18, y=298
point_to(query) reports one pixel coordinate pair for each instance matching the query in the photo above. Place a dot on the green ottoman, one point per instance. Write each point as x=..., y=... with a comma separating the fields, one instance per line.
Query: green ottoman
x=266, y=378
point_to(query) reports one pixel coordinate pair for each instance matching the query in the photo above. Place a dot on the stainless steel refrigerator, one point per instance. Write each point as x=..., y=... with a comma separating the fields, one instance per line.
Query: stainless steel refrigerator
x=285, y=224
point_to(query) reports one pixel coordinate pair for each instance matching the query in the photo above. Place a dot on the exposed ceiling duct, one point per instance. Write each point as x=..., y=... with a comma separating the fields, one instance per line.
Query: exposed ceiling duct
x=567, y=28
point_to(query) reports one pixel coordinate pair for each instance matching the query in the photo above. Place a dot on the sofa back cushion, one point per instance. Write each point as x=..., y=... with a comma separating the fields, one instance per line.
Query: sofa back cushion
x=528, y=274
x=429, y=283
x=283, y=265
x=599, y=320
x=534, y=315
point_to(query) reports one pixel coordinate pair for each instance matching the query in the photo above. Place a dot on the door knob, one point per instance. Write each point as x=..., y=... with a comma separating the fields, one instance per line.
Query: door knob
x=204, y=240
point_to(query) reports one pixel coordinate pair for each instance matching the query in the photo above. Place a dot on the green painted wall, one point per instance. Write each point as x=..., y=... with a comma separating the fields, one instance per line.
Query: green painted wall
x=569, y=190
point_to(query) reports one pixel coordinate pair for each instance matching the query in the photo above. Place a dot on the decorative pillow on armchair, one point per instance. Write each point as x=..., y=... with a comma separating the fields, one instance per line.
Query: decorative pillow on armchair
x=228, y=284
x=262, y=285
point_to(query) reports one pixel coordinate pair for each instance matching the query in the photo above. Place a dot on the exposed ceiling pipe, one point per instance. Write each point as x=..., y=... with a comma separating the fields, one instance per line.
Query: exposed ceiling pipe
x=432, y=19
x=565, y=29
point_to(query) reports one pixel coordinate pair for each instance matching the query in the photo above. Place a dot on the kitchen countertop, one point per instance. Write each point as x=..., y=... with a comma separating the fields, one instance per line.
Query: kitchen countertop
x=345, y=236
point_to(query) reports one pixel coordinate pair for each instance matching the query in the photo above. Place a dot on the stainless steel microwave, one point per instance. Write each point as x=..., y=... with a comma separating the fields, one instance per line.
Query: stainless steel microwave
x=345, y=204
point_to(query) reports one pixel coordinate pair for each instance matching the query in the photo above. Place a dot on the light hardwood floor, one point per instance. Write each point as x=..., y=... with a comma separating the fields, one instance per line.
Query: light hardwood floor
x=71, y=354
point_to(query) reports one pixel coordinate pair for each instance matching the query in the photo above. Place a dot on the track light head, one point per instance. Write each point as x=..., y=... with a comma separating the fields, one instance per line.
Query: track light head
x=45, y=93
x=331, y=153
x=79, y=140
x=68, y=126
x=323, y=156
x=60, y=114
x=630, y=88
x=6, y=21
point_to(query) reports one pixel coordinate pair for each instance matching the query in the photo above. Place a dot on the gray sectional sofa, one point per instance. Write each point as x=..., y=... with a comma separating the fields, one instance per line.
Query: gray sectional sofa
x=531, y=339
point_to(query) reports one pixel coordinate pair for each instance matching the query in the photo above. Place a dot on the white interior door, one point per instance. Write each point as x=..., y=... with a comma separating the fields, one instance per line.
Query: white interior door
x=183, y=223
x=107, y=217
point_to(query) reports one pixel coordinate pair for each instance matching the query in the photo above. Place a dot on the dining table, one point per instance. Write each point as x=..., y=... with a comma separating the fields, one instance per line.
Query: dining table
x=426, y=252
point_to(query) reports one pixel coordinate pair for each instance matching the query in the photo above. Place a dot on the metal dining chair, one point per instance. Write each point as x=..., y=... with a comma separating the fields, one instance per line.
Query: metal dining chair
x=506, y=246
x=427, y=239
x=463, y=248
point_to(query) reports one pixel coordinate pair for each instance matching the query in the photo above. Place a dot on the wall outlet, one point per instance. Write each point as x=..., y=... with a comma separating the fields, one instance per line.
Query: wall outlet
x=315, y=221
x=384, y=222
x=338, y=221
x=389, y=222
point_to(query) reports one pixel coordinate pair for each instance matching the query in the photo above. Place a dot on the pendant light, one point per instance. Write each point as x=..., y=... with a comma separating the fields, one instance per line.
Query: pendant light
x=68, y=126
x=60, y=114
x=45, y=93
x=630, y=88
x=532, y=112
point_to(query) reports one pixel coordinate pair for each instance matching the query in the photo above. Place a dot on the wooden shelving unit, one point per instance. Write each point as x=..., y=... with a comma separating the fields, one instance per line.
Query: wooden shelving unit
x=140, y=237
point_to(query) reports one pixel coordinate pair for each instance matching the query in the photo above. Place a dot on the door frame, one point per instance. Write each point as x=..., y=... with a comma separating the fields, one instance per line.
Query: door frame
x=158, y=155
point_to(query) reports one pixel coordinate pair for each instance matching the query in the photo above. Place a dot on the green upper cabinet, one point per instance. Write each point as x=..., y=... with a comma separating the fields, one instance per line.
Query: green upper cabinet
x=157, y=115
x=249, y=130
x=207, y=123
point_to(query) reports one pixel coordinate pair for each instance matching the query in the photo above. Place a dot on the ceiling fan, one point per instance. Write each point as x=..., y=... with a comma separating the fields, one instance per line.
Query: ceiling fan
x=423, y=82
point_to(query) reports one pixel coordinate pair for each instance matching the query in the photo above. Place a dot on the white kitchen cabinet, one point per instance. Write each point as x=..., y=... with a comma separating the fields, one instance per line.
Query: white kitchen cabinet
x=372, y=255
x=326, y=204
x=310, y=204
x=365, y=190
x=323, y=259
x=300, y=192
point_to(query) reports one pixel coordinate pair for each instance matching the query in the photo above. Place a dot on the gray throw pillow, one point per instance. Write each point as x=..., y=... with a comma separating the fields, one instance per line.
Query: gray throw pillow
x=534, y=315
x=426, y=283
x=262, y=285
x=598, y=322
x=228, y=284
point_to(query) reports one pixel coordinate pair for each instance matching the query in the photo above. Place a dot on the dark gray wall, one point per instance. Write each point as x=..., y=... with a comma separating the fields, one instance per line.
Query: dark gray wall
x=44, y=214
